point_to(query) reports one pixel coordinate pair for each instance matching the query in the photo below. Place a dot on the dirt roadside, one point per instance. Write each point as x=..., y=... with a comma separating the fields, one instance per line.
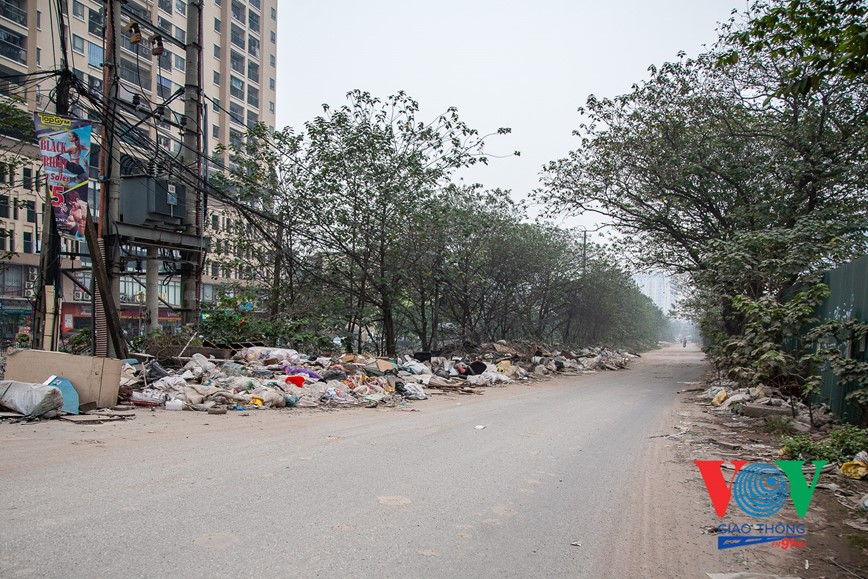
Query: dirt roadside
x=671, y=528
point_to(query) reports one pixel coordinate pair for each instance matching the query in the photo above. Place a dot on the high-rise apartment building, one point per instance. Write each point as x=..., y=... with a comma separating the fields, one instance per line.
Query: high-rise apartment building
x=660, y=287
x=238, y=78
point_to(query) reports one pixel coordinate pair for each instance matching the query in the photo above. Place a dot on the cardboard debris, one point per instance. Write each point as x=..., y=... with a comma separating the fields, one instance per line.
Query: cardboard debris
x=96, y=380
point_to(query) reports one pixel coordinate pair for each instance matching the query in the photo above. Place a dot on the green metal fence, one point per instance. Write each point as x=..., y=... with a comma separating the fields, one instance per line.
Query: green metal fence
x=848, y=285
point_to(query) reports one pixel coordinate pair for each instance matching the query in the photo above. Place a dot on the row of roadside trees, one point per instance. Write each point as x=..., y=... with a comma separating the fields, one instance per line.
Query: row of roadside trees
x=360, y=229
x=743, y=169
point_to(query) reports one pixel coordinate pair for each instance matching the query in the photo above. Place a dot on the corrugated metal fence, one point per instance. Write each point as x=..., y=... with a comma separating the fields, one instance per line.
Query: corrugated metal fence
x=848, y=285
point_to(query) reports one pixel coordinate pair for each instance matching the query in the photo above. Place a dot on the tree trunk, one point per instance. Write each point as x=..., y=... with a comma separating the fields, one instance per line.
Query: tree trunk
x=276, y=278
x=389, y=337
x=435, y=318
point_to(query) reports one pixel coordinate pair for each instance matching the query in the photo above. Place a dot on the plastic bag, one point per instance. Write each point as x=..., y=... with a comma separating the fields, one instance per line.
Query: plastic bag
x=32, y=400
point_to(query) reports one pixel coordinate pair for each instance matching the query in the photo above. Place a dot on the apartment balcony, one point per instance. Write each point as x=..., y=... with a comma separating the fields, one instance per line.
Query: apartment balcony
x=13, y=13
x=13, y=46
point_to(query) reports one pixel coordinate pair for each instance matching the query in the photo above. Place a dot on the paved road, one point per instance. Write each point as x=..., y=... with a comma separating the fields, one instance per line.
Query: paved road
x=361, y=493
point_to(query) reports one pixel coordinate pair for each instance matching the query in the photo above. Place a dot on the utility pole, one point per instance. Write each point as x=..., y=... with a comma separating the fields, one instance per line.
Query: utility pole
x=191, y=272
x=46, y=318
x=108, y=335
x=152, y=295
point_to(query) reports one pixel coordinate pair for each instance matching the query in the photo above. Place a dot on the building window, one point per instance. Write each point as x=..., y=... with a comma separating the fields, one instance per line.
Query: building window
x=236, y=113
x=273, y=61
x=94, y=22
x=216, y=104
x=38, y=60
x=181, y=34
x=166, y=6
x=271, y=107
x=78, y=44
x=253, y=71
x=271, y=83
x=164, y=24
x=139, y=10
x=181, y=7
x=253, y=21
x=215, y=220
x=237, y=36
x=253, y=96
x=254, y=47
x=28, y=242
x=180, y=62
x=94, y=83
x=217, y=25
x=252, y=119
x=237, y=10
x=165, y=60
x=215, y=131
x=216, y=77
x=236, y=62
x=274, y=13
x=215, y=271
x=255, y=3
x=78, y=9
x=27, y=178
x=38, y=19
x=31, y=212
x=164, y=87
x=130, y=72
x=236, y=87
x=273, y=37
x=94, y=55
x=217, y=51
x=4, y=206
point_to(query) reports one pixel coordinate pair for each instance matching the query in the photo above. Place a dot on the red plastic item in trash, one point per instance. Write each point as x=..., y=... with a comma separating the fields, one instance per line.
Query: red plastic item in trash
x=297, y=380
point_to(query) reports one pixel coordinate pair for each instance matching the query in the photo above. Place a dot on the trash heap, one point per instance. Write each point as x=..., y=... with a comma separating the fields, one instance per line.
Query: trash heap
x=542, y=362
x=262, y=377
x=764, y=401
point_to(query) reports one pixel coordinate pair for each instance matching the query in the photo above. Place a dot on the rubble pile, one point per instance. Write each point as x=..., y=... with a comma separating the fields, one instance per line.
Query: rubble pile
x=282, y=377
x=762, y=401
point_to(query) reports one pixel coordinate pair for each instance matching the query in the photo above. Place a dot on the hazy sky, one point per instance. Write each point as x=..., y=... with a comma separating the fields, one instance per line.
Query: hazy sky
x=524, y=65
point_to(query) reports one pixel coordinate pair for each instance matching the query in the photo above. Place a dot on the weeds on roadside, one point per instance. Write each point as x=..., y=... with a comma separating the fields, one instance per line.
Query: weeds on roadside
x=842, y=444
x=778, y=425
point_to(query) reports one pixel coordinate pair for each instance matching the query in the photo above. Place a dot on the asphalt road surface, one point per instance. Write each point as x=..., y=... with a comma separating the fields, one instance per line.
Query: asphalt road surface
x=349, y=493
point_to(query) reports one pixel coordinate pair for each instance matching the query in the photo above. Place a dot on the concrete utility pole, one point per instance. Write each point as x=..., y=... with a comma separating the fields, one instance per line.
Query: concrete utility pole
x=46, y=318
x=152, y=295
x=191, y=272
x=107, y=331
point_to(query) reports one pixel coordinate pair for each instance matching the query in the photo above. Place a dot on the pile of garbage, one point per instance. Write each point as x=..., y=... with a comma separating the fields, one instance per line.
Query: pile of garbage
x=762, y=401
x=260, y=377
x=542, y=362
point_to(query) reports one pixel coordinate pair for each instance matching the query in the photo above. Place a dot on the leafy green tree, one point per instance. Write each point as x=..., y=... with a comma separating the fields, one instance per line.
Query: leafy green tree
x=825, y=37
x=710, y=169
x=352, y=184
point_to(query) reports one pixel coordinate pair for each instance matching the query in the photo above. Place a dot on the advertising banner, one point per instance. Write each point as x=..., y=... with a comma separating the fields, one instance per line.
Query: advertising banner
x=65, y=146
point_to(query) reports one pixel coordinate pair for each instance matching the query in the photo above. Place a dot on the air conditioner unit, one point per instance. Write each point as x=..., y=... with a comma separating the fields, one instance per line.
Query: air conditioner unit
x=32, y=274
x=29, y=285
x=79, y=296
x=30, y=293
